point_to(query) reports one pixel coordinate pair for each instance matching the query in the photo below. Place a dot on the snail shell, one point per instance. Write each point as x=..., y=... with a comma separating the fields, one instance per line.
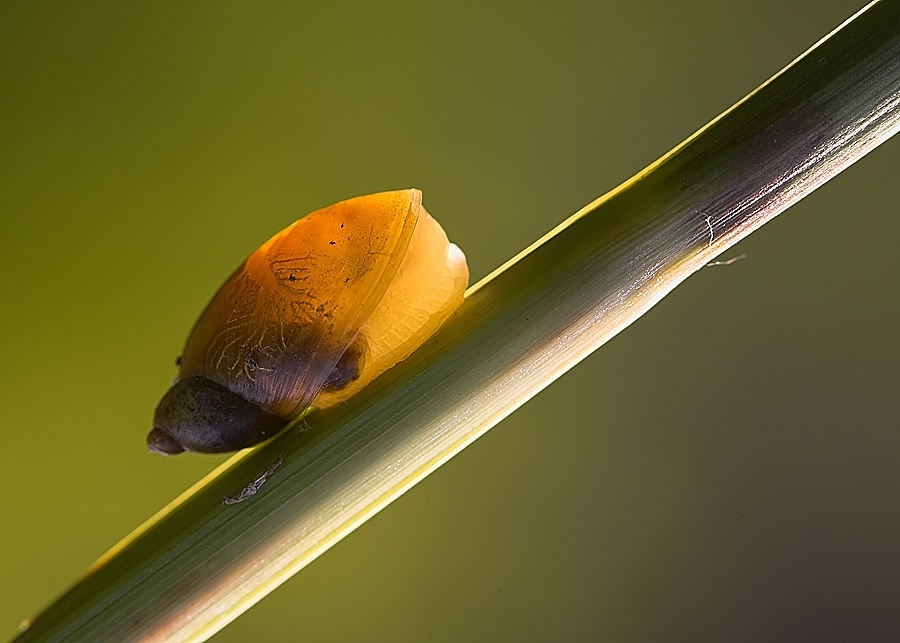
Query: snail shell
x=309, y=319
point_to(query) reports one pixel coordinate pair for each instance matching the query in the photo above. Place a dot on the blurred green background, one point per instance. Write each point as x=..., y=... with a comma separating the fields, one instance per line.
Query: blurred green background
x=726, y=469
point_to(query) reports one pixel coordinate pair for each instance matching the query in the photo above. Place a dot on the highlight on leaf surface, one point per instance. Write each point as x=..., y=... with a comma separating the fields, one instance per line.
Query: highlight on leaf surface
x=309, y=319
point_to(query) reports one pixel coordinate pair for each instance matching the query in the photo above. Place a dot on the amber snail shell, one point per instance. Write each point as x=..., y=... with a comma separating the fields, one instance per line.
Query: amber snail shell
x=309, y=319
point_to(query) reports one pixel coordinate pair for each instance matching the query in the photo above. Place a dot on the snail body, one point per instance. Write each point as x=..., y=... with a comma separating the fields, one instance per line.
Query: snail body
x=309, y=319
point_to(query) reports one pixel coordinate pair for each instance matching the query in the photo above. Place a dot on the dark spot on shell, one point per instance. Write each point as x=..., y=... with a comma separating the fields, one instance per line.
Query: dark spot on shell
x=345, y=371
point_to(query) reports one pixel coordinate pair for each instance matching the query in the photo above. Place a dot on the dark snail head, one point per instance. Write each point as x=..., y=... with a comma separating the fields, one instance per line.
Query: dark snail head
x=201, y=416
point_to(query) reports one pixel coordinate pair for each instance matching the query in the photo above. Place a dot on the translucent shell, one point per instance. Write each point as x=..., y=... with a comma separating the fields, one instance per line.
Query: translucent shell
x=317, y=312
x=425, y=291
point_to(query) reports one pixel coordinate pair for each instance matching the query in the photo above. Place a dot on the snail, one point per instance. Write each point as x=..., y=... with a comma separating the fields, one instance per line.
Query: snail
x=309, y=319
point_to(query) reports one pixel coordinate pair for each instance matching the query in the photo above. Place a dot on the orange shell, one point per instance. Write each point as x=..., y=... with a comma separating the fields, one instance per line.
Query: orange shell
x=375, y=272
